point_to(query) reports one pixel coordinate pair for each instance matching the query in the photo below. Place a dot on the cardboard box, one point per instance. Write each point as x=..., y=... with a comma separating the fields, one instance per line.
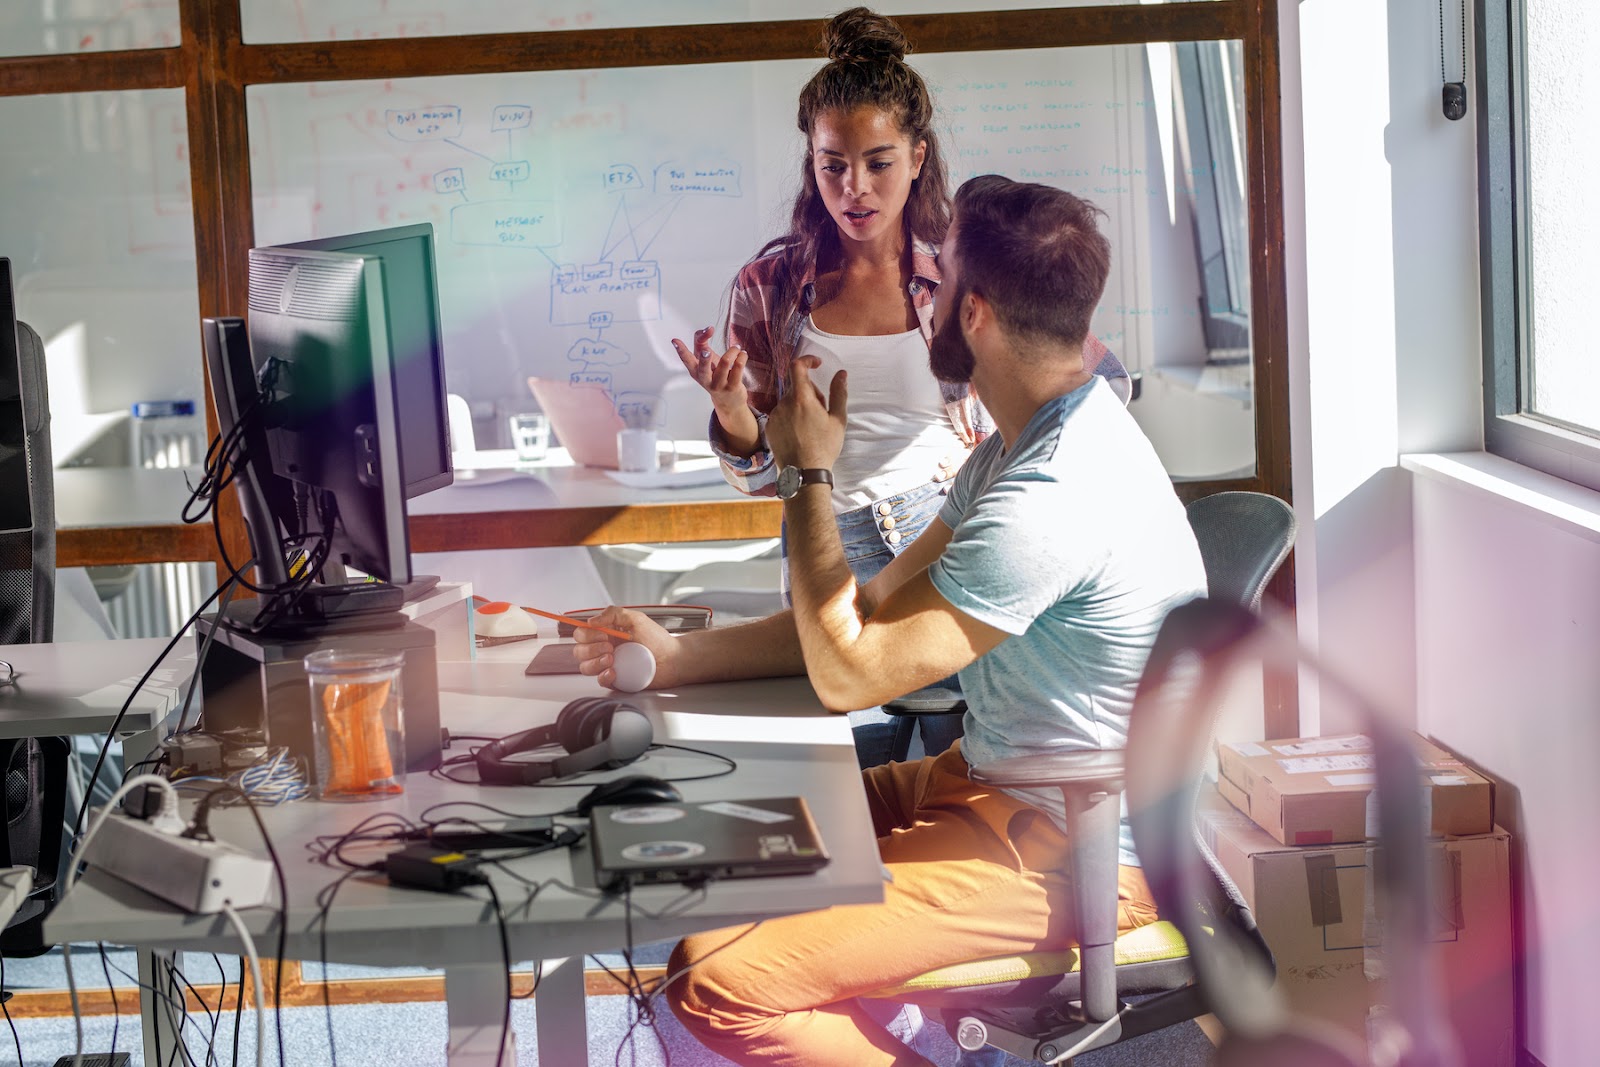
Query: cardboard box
x=1314, y=907
x=1315, y=790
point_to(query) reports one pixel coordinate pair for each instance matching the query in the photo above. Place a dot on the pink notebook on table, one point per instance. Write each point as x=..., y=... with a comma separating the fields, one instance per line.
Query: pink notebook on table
x=583, y=417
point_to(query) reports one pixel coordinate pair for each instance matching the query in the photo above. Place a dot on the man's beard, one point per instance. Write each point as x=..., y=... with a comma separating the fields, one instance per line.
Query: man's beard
x=949, y=356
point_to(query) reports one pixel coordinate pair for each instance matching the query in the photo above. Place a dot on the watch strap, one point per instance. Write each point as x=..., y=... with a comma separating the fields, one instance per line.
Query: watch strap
x=815, y=475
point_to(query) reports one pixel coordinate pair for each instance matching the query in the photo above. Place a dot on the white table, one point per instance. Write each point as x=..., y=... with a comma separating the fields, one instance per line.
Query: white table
x=77, y=687
x=784, y=742
x=121, y=496
x=576, y=486
x=88, y=497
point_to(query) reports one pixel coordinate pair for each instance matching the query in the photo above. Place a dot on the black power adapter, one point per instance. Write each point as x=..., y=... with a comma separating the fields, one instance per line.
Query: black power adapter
x=534, y=831
x=439, y=870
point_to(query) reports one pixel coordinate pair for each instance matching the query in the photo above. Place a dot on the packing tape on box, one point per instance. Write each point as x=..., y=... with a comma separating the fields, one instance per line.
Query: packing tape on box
x=1322, y=885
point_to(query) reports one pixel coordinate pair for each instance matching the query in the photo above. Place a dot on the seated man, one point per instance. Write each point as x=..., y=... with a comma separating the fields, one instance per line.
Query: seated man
x=1043, y=582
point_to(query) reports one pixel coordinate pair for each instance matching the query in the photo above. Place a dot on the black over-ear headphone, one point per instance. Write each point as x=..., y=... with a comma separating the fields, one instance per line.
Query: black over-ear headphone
x=597, y=732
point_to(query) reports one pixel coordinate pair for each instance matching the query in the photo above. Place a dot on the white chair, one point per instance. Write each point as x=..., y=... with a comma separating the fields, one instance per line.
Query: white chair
x=463, y=438
x=555, y=579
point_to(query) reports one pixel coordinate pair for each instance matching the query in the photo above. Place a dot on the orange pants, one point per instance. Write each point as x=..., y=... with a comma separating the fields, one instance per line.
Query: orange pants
x=975, y=874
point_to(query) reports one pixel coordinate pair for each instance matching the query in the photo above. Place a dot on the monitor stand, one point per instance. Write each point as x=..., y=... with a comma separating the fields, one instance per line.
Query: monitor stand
x=419, y=586
x=256, y=682
x=324, y=611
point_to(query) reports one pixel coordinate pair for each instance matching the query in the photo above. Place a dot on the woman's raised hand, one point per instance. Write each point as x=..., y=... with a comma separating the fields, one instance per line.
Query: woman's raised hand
x=721, y=376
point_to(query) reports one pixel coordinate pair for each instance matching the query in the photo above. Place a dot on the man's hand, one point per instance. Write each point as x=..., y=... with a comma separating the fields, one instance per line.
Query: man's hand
x=594, y=647
x=806, y=430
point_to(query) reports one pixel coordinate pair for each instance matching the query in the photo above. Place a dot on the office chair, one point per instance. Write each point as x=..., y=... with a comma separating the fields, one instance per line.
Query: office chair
x=556, y=579
x=1051, y=1006
x=1200, y=645
x=33, y=771
x=1244, y=538
x=1207, y=955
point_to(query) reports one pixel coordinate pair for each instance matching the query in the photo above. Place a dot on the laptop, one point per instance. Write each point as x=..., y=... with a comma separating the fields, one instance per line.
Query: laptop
x=584, y=418
x=664, y=843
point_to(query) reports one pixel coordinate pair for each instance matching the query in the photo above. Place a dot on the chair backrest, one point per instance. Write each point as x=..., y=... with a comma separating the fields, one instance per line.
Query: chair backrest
x=555, y=579
x=463, y=438
x=28, y=546
x=1200, y=647
x=1244, y=539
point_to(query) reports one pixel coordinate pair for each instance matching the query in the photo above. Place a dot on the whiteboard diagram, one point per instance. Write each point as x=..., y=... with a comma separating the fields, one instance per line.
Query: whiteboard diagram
x=622, y=283
x=580, y=221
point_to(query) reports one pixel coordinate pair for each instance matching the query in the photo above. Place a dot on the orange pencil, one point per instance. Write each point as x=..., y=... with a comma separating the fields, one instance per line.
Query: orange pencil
x=618, y=634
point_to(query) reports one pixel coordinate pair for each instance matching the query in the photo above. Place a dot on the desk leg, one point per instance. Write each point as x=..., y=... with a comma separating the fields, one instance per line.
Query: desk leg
x=160, y=1028
x=475, y=1005
x=559, y=1010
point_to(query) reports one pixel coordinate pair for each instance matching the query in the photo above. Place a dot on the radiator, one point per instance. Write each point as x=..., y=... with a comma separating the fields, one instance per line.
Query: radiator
x=162, y=596
x=159, y=599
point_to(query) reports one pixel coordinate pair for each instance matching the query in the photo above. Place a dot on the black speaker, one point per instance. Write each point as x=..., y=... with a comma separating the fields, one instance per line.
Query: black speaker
x=33, y=797
x=33, y=789
x=596, y=732
x=27, y=483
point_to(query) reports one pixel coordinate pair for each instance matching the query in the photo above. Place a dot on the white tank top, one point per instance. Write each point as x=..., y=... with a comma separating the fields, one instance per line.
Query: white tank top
x=898, y=429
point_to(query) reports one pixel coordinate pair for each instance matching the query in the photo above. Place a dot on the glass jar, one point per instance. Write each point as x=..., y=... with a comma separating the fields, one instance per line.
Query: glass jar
x=358, y=723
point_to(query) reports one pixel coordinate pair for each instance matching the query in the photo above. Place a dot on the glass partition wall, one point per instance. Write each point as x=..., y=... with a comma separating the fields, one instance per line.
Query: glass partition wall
x=164, y=144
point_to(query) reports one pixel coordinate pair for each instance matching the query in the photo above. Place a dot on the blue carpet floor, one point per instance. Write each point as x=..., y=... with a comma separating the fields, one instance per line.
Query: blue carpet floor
x=413, y=1035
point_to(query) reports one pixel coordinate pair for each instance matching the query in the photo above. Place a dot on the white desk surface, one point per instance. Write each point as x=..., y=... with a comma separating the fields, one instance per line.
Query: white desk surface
x=785, y=745
x=121, y=496
x=77, y=687
x=135, y=496
x=577, y=486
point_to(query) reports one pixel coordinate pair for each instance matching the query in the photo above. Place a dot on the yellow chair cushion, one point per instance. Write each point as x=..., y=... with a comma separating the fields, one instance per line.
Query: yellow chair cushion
x=1145, y=944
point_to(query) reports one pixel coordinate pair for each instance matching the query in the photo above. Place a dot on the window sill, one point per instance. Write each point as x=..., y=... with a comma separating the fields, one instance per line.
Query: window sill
x=1551, y=500
x=1222, y=381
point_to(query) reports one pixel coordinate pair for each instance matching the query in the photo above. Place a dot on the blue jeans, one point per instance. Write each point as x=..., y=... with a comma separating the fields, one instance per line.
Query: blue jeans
x=873, y=535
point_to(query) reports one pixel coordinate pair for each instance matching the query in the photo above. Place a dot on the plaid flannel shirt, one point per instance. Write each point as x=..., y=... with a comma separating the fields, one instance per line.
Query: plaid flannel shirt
x=766, y=373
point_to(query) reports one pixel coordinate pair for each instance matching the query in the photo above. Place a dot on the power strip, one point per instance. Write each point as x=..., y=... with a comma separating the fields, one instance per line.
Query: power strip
x=197, y=876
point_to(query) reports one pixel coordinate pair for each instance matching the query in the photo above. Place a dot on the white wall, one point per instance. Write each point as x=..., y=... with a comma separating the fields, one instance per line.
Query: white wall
x=1508, y=624
x=1473, y=618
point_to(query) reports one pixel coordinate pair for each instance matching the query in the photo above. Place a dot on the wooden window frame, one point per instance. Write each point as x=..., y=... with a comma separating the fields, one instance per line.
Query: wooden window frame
x=214, y=66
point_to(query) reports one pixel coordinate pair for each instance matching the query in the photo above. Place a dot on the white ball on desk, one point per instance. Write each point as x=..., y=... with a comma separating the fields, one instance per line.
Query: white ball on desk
x=634, y=665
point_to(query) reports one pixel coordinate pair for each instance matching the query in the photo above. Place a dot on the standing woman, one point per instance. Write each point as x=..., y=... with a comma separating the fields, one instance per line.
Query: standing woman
x=852, y=283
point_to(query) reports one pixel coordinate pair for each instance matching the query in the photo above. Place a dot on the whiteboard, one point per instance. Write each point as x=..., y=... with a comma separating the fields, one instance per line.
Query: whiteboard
x=584, y=219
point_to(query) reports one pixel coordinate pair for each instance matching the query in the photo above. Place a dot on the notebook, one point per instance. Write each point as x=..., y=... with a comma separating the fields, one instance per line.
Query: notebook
x=584, y=419
x=646, y=844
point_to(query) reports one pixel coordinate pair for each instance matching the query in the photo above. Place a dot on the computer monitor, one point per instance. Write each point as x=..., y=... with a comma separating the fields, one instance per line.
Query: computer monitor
x=416, y=345
x=319, y=334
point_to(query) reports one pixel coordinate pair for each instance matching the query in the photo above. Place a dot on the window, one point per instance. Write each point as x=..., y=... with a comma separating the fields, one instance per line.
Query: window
x=1540, y=237
x=1213, y=126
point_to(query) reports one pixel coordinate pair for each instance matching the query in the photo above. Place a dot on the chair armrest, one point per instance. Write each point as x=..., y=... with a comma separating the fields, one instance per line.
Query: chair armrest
x=934, y=700
x=1101, y=768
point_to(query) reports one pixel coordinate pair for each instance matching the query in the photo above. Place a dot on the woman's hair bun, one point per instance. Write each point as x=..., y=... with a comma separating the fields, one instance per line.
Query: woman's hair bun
x=862, y=35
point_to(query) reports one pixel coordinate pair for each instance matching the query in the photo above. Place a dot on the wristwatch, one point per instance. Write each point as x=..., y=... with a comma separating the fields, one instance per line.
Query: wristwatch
x=790, y=479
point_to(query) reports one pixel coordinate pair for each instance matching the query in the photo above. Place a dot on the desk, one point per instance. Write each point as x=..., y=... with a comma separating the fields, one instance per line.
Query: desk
x=587, y=507
x=77, y=687
x=784, y=742
x=131, y=515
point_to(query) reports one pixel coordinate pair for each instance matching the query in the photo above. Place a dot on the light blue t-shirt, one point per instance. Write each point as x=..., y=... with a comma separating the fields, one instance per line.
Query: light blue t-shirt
x=1073, y=541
